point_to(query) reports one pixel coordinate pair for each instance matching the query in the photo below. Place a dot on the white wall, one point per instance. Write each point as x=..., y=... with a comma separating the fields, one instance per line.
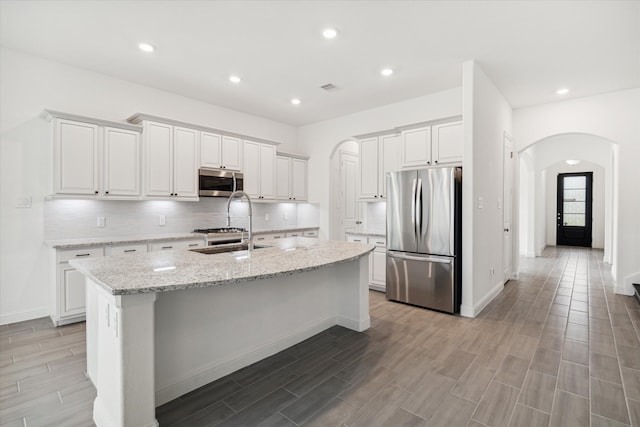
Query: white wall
x=613, y=116
x=319, y=140
x=598, y=205
x=487, y=116
x=30, y=84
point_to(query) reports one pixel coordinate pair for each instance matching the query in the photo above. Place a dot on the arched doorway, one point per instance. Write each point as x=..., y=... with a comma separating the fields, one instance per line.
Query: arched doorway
x=539, y=166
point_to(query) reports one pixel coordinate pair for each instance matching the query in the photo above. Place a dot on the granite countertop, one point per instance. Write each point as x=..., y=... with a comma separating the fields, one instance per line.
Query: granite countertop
x=176, y=270
x=117, y=240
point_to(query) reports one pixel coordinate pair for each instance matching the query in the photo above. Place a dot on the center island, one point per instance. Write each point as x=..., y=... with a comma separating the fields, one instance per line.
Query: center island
x=161, y=324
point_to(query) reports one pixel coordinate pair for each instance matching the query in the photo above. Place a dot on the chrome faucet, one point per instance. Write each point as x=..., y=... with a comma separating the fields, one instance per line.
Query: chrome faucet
x=241, y=194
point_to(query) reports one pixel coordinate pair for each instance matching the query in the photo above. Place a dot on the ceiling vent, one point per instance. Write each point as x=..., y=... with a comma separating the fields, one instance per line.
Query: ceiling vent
x=329, y=87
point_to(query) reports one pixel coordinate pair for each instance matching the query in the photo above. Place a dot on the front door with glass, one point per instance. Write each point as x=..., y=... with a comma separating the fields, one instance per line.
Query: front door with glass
x=574, y=209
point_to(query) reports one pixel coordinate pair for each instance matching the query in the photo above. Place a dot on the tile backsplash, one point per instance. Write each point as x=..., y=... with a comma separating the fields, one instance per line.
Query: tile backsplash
x=66, y=219
x=376, y=217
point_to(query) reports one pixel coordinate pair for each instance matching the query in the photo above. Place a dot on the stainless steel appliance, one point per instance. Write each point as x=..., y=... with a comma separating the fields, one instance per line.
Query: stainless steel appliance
x=424, y=224
x=223, y=235
x=219, y=183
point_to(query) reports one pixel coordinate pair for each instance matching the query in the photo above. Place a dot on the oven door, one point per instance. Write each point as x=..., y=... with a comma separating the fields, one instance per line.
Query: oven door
x=219, y=183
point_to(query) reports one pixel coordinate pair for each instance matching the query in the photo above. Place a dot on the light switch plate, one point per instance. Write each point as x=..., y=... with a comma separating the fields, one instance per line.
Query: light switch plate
x=266, y=217
x=162, y=220
x=23, y=202
x=101, y=222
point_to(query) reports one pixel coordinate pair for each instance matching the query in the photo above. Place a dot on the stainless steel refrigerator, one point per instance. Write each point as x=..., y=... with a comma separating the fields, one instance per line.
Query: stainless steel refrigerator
x=424, y=237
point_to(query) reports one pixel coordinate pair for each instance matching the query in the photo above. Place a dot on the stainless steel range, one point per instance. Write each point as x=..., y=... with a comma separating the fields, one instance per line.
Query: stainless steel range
x=222, y=235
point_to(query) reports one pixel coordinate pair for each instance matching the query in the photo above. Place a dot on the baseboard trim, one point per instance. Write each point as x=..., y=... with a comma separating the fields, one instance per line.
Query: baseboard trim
x=468, y=311
x=622, y=289
x=23, y=315
x=221, y=368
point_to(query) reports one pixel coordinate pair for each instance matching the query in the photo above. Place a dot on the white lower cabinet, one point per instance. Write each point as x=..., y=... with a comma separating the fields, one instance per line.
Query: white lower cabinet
x=357, y=238
x=378, y=264
x=68, y=295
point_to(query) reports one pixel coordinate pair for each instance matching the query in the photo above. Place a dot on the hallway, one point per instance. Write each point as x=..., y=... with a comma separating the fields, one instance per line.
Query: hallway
x=556, y=347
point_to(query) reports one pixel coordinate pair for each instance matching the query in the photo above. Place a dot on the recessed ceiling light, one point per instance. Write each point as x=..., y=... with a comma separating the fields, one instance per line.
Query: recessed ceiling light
x=386, y=72
x=234, y=79
x=146, y=47
x=329, y=33
x=572, y=162
x=562, y=91
x=295, y=101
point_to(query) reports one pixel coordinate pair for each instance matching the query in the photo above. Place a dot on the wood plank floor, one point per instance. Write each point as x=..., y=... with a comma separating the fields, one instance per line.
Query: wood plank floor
x=556, y=348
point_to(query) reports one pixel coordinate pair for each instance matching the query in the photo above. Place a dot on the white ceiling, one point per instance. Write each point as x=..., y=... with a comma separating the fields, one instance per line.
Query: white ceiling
x=529, y=49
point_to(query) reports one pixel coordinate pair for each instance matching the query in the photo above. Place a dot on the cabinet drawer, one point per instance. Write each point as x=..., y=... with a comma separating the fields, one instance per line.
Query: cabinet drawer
x=294, y=234
x=310, y=233
x=66, y=255
x=175, y=245
x=127, y=249
x=358, y=238
x=378, y=241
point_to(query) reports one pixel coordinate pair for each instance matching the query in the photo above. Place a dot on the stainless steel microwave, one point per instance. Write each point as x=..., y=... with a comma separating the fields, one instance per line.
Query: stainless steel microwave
x=219, y=183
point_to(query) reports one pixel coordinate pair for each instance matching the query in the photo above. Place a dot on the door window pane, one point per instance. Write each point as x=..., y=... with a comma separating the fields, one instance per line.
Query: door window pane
x=574, y=200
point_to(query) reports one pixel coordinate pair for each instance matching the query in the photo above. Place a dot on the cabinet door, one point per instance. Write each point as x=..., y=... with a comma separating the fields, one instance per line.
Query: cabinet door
x=299, y=179
x=448, y=143
x=76, y=157
x=416, y=147
x=251, y=161
x=357, y=238
x=72, y=291
x=283, y=178
x=185, y=166
x=121, y=162
x=267, y=172
x=210, y=150
x=389, y=156
x=378, y=273
x=159, y=159
x=369, y=168
x=231, y=153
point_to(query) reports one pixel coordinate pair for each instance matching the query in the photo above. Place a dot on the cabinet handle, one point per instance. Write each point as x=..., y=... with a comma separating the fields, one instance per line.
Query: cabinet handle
x=436, y=162
x=375, y=195
x=428, y=163
x=130, y=250
x=106, y=192
x=193, y=244
x=277, y=237
x=81, y=255
x=167, y=247
x=96, y=192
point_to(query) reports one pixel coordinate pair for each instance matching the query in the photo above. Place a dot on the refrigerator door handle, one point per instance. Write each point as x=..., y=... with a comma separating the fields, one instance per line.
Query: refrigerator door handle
x=419, y=258
x=419, y=209
x=413, y=206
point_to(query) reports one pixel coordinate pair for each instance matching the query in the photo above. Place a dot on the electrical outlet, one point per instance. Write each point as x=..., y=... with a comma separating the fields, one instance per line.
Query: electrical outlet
x=23, y=202
x=101, y=223
x=480, y=202
x=499, y=203
x=162, y=220
x=285, y=216
x=266, y=217
x=492, y=271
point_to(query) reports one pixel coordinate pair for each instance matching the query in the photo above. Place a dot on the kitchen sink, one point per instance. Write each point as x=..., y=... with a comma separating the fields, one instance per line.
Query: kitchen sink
x=220, y=249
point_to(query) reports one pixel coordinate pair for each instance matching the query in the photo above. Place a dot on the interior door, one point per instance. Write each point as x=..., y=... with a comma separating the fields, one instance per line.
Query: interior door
x=348, y=193
x=574, y=214
x=507, y=213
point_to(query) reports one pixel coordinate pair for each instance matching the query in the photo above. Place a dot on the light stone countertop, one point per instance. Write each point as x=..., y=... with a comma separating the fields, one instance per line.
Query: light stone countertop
x=146, y=238
x=183, y=269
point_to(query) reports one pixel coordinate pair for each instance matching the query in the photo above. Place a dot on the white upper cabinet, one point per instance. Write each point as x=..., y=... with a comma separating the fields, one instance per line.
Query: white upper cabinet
x=378, y=155
x=185, y=162
x=158, y=140
x=95, y=160
x=220, y=152
x=299, y=179
x=283, y=178
x=291, y=178
x=416, y=147
x=259, y=170
x=448, y=143
x=171, y=160
x=76, y=157
x=121, y=162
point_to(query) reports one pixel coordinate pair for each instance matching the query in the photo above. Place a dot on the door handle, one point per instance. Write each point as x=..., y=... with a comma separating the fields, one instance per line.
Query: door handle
x=418, y=258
